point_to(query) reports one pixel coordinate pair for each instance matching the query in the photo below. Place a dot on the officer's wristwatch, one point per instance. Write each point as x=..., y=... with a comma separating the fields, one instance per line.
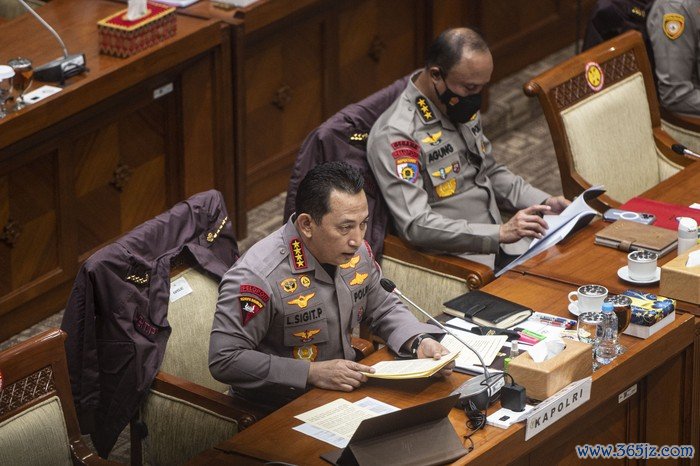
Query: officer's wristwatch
x=417, y=341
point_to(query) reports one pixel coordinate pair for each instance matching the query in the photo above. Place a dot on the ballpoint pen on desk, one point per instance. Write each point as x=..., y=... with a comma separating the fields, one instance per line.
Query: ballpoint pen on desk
x=554, y=320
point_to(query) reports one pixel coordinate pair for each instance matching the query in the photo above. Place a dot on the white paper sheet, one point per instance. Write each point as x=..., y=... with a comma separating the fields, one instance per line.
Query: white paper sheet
x=410, y=368
x=487, y=346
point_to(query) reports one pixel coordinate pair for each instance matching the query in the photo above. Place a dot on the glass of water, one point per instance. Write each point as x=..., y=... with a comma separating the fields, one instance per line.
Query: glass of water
x=6, y=75
x=590, y=330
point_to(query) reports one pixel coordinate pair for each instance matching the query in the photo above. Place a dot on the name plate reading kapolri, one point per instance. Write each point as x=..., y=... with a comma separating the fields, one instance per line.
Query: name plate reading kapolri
x=557, y=406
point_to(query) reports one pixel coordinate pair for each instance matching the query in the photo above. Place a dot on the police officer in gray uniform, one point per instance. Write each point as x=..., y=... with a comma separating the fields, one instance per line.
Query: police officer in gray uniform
x=288, y=307
x=434, y=166
x=674, y=31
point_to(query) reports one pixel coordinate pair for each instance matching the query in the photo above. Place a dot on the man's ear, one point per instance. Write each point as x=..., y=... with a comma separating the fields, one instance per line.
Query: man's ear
x=435, y=73
x=304, y=221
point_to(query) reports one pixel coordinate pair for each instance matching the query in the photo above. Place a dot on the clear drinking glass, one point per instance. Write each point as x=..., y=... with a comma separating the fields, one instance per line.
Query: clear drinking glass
x=622, y=305
x=590, y=330
x=24, y=75
x=6, y=75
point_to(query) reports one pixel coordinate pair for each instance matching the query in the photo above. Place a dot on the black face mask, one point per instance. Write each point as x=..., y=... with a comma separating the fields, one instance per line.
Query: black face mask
x=459, y=109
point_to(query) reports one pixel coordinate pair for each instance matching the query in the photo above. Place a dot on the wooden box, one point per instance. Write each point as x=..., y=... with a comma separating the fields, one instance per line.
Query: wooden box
x=122, y=38
x=681, y=282
x=544, y=379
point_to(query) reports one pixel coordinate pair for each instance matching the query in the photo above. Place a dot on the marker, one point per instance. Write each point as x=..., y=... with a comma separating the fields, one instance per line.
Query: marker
x=532, y=334
x=528, y=339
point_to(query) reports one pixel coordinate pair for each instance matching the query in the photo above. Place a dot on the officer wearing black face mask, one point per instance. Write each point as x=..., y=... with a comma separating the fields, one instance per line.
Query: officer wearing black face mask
x=434, y=166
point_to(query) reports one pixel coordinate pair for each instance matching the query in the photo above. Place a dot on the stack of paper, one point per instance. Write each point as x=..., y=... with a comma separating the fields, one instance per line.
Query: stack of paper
x=410, y=368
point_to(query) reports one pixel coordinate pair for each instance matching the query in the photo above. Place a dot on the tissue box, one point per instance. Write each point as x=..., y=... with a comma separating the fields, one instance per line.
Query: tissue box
x=544, y=379
x=681, y=282
x=648, y=308
x=122, y=38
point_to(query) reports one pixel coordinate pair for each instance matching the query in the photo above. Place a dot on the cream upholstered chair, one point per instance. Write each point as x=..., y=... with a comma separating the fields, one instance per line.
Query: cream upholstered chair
x=38, y=424
x=187, y=410
x=603, y=115
x=683, y=128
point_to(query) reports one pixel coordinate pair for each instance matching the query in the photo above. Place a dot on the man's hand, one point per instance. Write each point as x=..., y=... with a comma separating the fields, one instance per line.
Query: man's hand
x=527, y=223
x=430, y=348
x=337, y=374
x=557, y=203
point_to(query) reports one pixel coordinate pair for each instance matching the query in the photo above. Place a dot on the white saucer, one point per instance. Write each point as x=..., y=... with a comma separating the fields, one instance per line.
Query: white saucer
x=623, y=273
x=573, y=308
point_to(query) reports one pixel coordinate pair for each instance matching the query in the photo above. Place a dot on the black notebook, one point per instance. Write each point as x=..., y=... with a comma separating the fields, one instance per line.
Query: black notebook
x=486, y=309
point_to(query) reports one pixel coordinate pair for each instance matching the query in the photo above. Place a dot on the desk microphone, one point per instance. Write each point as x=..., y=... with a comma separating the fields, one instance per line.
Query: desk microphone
x=682, y=150
x=62, y=68
x=483, y=389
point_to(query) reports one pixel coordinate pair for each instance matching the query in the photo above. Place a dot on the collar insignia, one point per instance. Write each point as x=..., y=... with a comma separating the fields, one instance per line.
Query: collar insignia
x=359, y=278
x=298, y=252
x=424, y=109
x=351, y=263
x=302, y=300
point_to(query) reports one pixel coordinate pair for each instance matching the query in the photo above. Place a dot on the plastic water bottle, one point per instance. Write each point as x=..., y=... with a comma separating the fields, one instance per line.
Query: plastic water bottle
x=607, y=348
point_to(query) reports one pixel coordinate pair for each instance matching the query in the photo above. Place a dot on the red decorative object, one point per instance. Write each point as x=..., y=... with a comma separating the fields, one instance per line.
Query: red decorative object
x=120, y=37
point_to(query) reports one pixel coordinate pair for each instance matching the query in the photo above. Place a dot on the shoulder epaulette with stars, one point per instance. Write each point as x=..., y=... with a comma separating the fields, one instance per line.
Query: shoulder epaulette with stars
x=359, y=139
x=425, y=110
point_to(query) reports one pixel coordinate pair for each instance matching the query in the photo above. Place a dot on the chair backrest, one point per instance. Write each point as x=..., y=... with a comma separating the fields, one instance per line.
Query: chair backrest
x=191, y=316
x=344, y=137
x=38, y=423
x=601, y=108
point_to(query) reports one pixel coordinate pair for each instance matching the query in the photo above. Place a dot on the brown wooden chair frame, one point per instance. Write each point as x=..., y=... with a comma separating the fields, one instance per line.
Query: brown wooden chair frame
x=565, y=85
x=36, y=370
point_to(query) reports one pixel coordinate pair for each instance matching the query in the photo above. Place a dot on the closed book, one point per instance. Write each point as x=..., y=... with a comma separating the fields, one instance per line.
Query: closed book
x=645, y=331
x=666, y=214
x=486, y=309
x=629, y=236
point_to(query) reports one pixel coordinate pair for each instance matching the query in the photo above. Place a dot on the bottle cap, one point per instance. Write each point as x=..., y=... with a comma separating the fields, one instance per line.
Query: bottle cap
x=687, y=228
x=6, y=72
x=607, y=307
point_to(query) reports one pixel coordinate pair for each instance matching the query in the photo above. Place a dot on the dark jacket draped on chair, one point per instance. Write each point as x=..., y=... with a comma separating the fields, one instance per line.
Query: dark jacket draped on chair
x=116, y=316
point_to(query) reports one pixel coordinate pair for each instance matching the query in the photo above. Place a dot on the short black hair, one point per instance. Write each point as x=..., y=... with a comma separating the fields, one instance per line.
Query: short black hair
x=314, y=193
x=448, y=48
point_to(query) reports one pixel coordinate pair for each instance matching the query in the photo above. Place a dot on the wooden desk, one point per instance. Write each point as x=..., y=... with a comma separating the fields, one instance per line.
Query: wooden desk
x=657, y=365
x=105, y=154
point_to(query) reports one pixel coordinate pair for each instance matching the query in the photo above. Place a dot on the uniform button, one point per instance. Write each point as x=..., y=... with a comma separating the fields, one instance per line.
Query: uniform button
x=282, y=251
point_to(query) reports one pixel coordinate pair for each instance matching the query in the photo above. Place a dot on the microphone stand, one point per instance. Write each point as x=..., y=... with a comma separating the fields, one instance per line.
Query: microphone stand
x=481, y=389
x=60, y=69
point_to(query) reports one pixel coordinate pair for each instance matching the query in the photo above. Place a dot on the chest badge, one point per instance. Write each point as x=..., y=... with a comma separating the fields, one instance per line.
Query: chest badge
x=433, y=139
x=305, y=281
x=302, y=300
x=351, y=263
x=289, y=285
x=442, y=172
x=447, y=188
x=359, y=278
x=308, y=352
x=307, y=335
x=674, y=25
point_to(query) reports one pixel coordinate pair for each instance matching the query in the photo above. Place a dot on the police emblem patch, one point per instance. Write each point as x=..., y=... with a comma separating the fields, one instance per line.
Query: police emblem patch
x=359, y=278
x=305, y=281
x=442, y=172
x=308, y=352
x=307, y=335
x=433, y=139
x=302, y=300
x=407, y=169
x=289, y=284
x=250, y=307
x=351, y=263
x=594, y=76
x=456, y=167
x=424, y=110
x=255, y=291
x=447, y=188
x=674, y=25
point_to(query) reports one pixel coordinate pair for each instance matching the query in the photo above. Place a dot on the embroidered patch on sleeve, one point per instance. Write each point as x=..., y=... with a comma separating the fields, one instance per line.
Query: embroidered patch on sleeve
x=407, y=168
x=674, y=25
x=255, y=291
x=250, y=307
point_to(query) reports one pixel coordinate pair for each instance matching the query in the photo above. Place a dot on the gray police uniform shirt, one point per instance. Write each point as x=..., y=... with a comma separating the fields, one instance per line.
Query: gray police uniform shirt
x=673, y=27
x=279, y=309
x=441, y=183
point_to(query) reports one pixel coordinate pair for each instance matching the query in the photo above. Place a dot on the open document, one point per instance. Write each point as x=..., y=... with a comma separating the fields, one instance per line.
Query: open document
x=487, y=346
x=573, y=218
x=410, y=368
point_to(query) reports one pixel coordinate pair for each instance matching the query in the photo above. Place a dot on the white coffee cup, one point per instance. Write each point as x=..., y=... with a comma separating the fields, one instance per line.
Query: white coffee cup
x=641, y=265
x=589, y=297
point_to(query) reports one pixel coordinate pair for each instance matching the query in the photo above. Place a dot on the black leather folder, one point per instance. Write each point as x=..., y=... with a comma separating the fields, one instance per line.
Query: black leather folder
x=486, y=309
x=420, y=435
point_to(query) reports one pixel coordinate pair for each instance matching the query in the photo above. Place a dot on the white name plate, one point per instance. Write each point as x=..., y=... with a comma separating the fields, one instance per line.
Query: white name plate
x=179, y=289
x=557, y=406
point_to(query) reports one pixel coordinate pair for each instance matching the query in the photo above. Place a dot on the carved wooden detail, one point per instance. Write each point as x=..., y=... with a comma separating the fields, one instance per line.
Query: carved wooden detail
x=577, y=89
x=282, y=97
x=11, y=232
x=121, y=176
x=376, y=49
x=26, y=390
